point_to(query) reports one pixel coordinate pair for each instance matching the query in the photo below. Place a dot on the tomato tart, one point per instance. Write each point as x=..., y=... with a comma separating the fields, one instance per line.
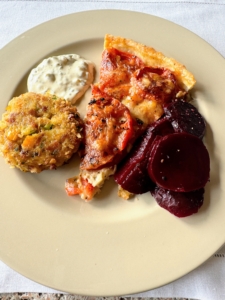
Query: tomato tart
x=136, y=83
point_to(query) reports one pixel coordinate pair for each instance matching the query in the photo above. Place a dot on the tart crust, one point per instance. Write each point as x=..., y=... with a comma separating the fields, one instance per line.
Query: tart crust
x=152, y=58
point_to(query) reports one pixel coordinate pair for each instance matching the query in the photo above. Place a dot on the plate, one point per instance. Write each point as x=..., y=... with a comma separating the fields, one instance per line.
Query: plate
x=109, y=246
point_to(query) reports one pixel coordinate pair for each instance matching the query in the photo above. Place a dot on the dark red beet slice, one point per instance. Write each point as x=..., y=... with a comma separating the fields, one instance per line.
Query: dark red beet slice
x=185, y=118
x=136, y=181
x=132, y=174
x=162, y=127
x=179, y=162
x=179, y=204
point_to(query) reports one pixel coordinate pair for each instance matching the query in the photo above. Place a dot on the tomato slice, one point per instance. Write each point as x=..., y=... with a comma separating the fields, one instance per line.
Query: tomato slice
x=108, y=129
x=124, y=74
x=116, y=70
x=154, y=84
x=114, y=58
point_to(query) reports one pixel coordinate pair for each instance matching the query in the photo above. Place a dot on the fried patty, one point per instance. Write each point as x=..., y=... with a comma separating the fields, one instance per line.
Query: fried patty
x=39, y=132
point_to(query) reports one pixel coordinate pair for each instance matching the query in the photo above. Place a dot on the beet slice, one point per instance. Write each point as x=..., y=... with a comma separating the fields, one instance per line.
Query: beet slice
x=185, y=117
x=162, y=127
x=177, y=203
x=136, y=181
x=132, y=174
x=179, y=162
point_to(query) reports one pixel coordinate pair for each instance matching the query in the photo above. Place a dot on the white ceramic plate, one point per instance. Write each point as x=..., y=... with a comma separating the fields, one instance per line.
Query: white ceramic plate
x=109, y=246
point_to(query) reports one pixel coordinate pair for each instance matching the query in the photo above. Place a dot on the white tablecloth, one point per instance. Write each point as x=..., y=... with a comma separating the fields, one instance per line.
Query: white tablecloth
x=206, y=19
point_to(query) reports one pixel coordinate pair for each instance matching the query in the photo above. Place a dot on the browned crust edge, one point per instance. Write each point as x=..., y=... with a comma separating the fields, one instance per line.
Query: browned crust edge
x=152, y=58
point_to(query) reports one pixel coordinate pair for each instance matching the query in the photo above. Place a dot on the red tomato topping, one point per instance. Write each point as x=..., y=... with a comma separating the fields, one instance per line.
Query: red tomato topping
x=72, y=187
x=108, y=129
x=155, y=84
x=124, y=74
x=116, y=70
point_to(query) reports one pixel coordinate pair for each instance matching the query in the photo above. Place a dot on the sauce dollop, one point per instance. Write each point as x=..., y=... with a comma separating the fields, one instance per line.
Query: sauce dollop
x=66, y=76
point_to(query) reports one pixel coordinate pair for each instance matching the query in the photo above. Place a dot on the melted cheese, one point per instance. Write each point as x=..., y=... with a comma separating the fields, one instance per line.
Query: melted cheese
x=97, y=178
x=147, y=110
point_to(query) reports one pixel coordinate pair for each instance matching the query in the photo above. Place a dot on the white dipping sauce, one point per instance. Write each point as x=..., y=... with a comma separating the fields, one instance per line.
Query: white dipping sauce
x=66, y=76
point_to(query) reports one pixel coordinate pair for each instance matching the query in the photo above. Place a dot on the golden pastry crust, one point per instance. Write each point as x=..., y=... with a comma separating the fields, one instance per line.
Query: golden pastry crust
x=152, y=58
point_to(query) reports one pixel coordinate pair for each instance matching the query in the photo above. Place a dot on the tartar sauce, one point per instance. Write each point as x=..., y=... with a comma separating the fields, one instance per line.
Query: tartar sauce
x=66, y=76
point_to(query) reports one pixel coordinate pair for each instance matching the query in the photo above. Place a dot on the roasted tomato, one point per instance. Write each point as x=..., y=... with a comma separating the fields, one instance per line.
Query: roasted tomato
x=154, y=84
x=116, y=70
x=79, y=186
x=108, y=129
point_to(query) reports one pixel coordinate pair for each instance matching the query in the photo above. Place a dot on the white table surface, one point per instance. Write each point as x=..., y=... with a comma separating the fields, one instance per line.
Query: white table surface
x=206, y=19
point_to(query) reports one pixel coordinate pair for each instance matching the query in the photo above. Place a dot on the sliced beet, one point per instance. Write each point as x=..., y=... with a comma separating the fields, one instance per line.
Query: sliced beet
x=177, y=203
x=136, y=181
x=162, y=127
x=132, y=174
x=179, y=162
x=185, y=117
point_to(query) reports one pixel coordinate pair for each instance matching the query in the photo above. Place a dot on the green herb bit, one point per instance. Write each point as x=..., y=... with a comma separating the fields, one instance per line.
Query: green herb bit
x=32, y=131
x=48, y=126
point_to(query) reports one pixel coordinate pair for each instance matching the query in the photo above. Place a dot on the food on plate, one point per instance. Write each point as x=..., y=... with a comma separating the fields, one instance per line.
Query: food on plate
x=184, y=117
x=139, y=82
x=132, y=173
x=140, y=127
x=88, y=183
x=178, y=203
x=132, y=176
x=39, y=132
x=109, y=127
x=173, y=166
x=179, y=162
x=142, y=78
x=67, y=76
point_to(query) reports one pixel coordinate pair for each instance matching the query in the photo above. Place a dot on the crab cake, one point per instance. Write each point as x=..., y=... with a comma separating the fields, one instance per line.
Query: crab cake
x=39, y=132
